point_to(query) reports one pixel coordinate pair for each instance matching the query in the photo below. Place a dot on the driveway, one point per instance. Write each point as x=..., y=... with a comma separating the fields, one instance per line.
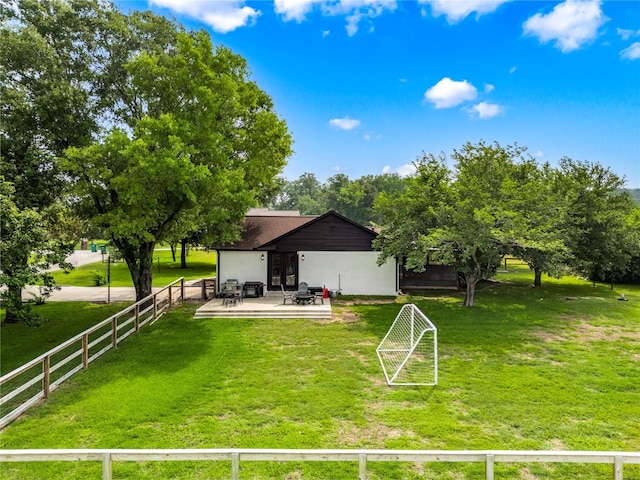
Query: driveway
x=84, y=294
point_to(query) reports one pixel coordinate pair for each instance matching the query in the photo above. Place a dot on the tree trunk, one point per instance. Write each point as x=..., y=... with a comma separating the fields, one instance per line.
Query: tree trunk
x=470, y=292
x=13, y=303
x=139, y=259
x=173, y=250
x=538, y=277
x=183, y=254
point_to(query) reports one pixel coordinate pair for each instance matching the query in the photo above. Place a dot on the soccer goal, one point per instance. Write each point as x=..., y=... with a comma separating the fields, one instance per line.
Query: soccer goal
x=409, y=352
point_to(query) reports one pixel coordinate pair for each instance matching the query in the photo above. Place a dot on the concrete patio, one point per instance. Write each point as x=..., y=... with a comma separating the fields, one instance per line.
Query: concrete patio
x=269, y=306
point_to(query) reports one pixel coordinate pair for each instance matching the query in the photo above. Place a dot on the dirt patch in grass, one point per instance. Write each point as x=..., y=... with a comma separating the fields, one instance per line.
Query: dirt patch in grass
x=373, y=436
x=525, y=474
x=365, y=301
x=587, y=332
x=344, y=315
x=364, y=360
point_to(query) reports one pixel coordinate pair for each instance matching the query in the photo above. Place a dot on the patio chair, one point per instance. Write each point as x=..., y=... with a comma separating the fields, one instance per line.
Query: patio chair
x=303, y=287
x=231, y=293
x=285, y=295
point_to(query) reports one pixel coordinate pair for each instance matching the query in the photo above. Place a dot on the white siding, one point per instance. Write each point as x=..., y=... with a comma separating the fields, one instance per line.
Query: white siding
x=243, y=266
x=355, y=273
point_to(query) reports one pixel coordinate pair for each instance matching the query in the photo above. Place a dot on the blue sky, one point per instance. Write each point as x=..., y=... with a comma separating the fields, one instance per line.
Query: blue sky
x=367, y=85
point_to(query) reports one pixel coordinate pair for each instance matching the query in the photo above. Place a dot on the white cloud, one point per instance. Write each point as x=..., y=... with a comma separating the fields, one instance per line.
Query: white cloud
x=572, y=24
x=627, y=34
x=448, y=93
x=539, y=154
x=223, y=17
x=487, y=110
x=295, y=9
x=386, y=169
x=344, y=123
x=488, y=88
x=406, y=170
x=513, y=69
x=354, y=10
x=632, y=52
x=326, y=33
x=457, y=10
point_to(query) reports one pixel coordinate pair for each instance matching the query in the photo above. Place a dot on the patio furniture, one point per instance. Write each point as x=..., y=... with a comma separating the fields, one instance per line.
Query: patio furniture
x=231, y=293
x=303, y=295
x=285, y=295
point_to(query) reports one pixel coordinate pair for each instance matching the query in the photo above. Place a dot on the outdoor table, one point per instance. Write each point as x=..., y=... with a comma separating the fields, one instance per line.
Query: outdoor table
x=304, y=297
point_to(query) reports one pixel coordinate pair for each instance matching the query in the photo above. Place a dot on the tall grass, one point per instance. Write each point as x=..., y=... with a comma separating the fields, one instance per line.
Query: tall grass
x=524, y=369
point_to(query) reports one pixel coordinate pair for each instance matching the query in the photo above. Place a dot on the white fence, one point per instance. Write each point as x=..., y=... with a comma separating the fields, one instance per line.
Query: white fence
x=362, y=457
x=36, y=380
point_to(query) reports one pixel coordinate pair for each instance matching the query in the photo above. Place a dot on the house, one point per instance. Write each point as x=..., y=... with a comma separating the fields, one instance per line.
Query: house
x=283, y=248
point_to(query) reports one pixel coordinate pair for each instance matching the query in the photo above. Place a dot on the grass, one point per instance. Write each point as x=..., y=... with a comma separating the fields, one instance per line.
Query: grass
x=200, y=264
x=60, y=321
x=524, y=369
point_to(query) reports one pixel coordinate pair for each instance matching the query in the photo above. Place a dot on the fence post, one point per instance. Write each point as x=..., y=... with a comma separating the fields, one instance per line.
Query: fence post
x=617, y=467
x=203, y=292
x=46, y=372
x=114, y=332
x=362, y=466
x=106, y=467
x=182, y=289
x=170, y=291
x=85, y=351
x=137, y=317
x=155, y=305
x=490, y=462
x=235, y=466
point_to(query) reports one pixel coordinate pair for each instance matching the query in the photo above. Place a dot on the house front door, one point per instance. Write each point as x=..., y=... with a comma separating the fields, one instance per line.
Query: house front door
x=283, y=270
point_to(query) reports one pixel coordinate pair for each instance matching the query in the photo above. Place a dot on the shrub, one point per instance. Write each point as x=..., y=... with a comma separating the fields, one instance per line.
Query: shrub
x=99, y=278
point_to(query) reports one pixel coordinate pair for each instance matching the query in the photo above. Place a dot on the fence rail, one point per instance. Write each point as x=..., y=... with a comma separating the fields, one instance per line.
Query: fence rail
x=362, y=457
x=36, y=380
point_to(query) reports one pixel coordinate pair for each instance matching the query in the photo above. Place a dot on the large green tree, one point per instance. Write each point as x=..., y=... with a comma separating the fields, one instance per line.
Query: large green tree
x=199, y=144
x=45, y=66
x=27, y=251
x=468, y=217
x=596, y=218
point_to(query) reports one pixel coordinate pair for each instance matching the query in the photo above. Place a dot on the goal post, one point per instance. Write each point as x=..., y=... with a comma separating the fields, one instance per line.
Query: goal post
x=409, y=351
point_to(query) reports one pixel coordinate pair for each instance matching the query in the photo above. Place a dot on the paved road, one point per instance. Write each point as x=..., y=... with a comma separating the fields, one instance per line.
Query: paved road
x=84, y=294
x=81, y=257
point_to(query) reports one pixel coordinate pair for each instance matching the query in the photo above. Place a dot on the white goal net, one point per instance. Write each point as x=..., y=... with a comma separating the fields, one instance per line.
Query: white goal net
x=409, y=352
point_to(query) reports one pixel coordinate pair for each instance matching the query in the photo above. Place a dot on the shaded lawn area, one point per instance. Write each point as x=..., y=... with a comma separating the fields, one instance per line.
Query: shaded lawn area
x=524, y=369
x=59, y=322
x=200, y=264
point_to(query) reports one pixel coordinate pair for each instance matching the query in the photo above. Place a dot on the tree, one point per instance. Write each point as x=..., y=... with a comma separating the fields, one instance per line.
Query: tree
x=198, y=142
x=45, y=108
x=469, y=217
x=540, y=210
x=304, y=194
x=26, y=253
x=596, y=217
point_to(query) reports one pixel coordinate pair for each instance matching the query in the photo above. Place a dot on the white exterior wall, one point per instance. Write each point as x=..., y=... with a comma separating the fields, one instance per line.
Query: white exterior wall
x=355, y=273
x=243, y=266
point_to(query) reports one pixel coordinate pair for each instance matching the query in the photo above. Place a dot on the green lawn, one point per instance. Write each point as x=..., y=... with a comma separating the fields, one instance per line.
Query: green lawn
x=200, y=264
x=524, y=369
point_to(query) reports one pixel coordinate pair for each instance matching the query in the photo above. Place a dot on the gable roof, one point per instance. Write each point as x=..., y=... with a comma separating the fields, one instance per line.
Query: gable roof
x=261, y=229
x=319, y=219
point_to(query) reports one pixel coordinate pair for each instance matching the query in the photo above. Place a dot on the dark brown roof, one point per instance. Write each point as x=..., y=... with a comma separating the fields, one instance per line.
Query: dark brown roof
x=262, y=229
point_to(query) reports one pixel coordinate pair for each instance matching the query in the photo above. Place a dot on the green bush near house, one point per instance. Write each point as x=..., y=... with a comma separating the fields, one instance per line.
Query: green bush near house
x=554, y=368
